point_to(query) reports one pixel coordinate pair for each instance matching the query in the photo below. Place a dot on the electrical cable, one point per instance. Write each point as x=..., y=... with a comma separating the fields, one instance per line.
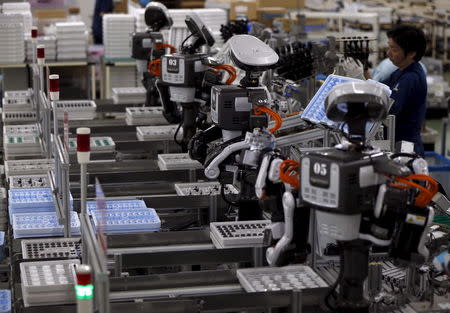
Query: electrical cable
x=289, y=170
x=230, y=70
x=186, y=39
x=176, y=134
x=277, y=118
x=426, y=193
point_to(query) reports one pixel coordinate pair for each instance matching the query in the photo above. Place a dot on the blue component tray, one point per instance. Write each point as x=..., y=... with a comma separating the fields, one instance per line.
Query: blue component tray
x=32, y=199
x=43, y=224
x=5, y=301
x=128, y=220
x=117, y=205
x=315, y=110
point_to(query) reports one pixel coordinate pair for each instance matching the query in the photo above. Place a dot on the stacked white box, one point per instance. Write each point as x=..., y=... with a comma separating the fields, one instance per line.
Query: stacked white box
x=22, y=9
x=71, y=40
x=129, y=95
x=117, y=30
x=212, y=18
x=12, y=49
x=50, y=47
x=48, y=282
x=124, y=76
x=145, y=116
x=140, y=20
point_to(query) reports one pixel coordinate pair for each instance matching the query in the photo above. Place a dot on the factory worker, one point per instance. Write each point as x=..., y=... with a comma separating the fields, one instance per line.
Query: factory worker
x=407, y=45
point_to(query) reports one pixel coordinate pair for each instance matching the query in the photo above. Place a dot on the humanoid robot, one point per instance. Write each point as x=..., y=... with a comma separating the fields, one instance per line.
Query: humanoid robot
x=231, y=149
x=148, y=47
x=360, y=196
x=186, y=77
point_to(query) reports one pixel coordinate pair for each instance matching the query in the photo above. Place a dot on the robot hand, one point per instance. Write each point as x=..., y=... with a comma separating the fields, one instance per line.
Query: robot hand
x=353, y=68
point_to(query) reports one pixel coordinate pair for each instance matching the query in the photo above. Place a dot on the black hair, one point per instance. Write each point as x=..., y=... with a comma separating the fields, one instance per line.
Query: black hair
x=410, y=39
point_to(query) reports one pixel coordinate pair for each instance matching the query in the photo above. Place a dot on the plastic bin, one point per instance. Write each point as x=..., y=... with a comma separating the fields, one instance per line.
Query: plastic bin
x=439, y=167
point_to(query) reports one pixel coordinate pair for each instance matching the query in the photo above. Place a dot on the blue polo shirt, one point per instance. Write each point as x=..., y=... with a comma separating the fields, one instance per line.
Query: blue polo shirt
x=409, y=91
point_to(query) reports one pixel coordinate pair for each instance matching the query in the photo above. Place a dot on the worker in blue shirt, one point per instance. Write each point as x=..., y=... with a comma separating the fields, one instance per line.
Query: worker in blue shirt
x=407, y=45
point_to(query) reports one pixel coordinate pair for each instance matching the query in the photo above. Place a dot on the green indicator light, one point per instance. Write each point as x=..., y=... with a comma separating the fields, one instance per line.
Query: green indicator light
x=84, y=292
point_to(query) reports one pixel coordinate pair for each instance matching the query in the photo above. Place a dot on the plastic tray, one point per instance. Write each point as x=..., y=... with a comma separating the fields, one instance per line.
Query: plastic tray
x=48, y=282
x=98, y=144
x=279, y=278
x=202, y=189
x=177, y=161
x=43, y=224
x=28, y=167
x=5, y=301
x=145, y=116
x=117, y=205
x=28, y=181
x=22, y=116
x=30, y=129
x=32, y=198
x=77, y=109
x=163, y=132
x=238, y=234
x=50, y=248
x=128, y=220
x=18, y=93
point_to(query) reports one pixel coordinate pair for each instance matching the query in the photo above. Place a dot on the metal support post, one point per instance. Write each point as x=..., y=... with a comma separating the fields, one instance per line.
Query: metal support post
x=83, y=186
x=326, y=138
x=313, y=227
x=391, y=132
x=258, y=256
x=444, y=136
x=296, y=303
x=213, y=207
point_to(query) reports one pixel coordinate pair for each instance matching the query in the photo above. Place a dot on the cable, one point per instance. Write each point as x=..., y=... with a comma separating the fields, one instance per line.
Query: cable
x=230, y=70
x=277, y=118
x=176, y=133
x=154, y=67
x=161, y=46
x=426, y=193
x=289, y=173
x=186, y=39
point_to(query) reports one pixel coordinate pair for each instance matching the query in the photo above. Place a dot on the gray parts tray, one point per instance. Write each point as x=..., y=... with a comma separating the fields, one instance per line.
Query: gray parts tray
x=279, y=278
x=51, y=248
x=238, y=234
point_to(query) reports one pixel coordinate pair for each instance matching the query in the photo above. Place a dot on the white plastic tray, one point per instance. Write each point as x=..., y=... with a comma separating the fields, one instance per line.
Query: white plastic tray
x=279, y=278
x=238, y=234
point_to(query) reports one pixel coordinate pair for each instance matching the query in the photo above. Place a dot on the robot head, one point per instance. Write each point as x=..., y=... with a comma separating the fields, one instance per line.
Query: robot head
x=251, y=54
x=200, y=33
x=157, y=16
x=356, y=103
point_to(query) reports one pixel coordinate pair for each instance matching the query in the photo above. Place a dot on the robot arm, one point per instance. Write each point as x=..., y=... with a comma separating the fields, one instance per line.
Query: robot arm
x=171, y=112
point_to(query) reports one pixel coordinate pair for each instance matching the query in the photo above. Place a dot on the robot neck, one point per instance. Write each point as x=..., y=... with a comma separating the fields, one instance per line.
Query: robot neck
x=251, y=79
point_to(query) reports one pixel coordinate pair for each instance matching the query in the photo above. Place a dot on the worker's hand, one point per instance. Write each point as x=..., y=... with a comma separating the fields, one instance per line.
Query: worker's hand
x=353, y=68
